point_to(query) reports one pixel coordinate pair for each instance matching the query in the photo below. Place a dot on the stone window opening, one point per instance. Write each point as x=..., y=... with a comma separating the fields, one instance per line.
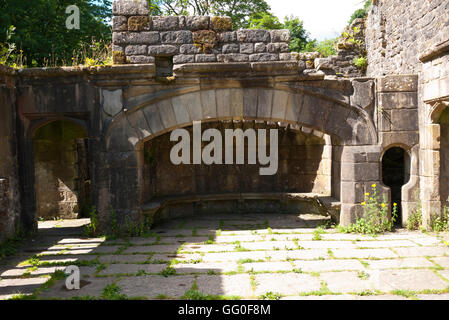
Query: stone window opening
x=395, y=174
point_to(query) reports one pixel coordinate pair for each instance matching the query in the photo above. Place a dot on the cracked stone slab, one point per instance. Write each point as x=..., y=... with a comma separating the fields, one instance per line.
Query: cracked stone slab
x=422, y=251
x=91, y=287
x=115, y=269
x=327, y=244
x=442, y=261
x=233, y=256
x=268, y=266
x=124, y=258
x=177, y=256
x=409, y=279
x=307, y=254
x=329, y=265
x=345, y=282
x=208, y=248
x=153, y=248
x=286, y=284
x=399, y=263
x=205, y=267
x=239, y=285
x=152, y=286
x=386, y=244
x=269, y=245
x=21, y=286
x=364, y=253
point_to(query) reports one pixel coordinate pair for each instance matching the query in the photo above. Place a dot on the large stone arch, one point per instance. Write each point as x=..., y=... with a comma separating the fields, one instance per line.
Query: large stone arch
x=150, y=115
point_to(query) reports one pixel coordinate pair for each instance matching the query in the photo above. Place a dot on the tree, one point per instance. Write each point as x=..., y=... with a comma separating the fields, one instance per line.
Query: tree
x=41, y=27
x=265, y=20
x=326, y=48
x=361, y=13
x=299, y=35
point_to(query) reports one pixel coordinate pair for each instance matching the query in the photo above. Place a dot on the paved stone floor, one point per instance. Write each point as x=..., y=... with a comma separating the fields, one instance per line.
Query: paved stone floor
x=252, y=256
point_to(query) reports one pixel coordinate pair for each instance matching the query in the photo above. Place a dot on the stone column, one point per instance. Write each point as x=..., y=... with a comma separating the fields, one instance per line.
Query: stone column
x=360, y=169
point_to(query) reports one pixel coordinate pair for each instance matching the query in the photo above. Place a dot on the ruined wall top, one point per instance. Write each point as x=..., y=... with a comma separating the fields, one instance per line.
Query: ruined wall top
x=140, y=38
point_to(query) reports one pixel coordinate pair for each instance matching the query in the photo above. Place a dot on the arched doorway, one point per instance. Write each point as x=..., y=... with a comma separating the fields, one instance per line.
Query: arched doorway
x=61, y=170
x=395, y=174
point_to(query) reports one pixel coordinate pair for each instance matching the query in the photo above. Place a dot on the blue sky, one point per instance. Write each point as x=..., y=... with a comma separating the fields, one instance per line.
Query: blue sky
x=323, y=19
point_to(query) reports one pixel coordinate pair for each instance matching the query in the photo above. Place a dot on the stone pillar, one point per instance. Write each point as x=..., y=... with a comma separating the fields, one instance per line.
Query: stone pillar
x=360, y=169
x=429, y=172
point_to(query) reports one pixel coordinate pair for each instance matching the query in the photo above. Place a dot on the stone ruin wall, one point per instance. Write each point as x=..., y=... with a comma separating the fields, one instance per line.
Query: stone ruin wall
x=139, y=38
x=398, y=32
x=9, y=177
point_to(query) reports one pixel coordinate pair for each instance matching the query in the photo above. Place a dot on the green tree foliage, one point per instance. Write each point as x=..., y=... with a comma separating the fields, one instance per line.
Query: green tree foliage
x=40, y=27
x=265, y=20
x=299, y=35
x=326, y=48
x=361, y=13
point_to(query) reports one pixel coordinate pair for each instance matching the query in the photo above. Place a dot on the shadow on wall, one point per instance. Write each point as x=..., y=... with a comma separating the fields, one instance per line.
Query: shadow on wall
x=61, y=170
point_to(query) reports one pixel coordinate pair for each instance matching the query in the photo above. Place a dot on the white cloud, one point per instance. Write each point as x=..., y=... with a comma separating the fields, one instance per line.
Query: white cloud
x=323, y=19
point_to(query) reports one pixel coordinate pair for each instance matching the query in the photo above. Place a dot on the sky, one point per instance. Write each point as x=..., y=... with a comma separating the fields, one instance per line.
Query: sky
x=323, y=19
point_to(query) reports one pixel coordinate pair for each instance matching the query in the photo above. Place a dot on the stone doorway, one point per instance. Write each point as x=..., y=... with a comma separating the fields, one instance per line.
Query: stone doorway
x=61, y=171
x=395, y=174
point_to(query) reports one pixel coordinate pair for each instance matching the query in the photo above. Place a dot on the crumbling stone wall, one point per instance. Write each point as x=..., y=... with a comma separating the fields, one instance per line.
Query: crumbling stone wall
x=139, y=38
x=9, y=178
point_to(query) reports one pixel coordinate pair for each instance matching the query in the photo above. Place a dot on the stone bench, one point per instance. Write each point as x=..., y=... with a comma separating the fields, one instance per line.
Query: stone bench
x=163, y=209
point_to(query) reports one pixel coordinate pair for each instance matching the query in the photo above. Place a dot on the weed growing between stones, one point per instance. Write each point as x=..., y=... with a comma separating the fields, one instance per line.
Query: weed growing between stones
x=112, y=292
x=441, y=223
x=375, y=216
x=414, y=221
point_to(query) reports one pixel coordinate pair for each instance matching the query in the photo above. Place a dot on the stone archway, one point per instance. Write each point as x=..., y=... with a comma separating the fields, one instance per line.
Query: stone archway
x=348, y=126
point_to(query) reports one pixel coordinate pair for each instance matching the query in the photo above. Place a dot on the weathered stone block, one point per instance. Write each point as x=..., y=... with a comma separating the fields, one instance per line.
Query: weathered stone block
x=130, y=7
x=205, y=58
x=280, y=35
x=277, y=47
x=194, y=23
x=220, y=24
x=227, y=37
x=139, y=59
x=139, y=23
x=134, y=50
x=256, y=57
x=166, y=23
x=260, y=47
x=183, y=58
x=163, y=50
x=247, y=48
x=230, y=48
x=176, y=37
x=119, y=23
x=398, y=100
x=189, y=49
x=397, y=83
x=232, y=57
x=144, y=37
x=253, y=36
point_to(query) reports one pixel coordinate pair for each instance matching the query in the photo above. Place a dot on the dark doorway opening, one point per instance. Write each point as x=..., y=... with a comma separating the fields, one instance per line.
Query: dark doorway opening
x=395, y=173
x=62, y=182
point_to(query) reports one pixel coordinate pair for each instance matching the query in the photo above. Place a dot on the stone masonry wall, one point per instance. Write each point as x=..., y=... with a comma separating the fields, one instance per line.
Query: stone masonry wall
x=399, y=31
x=139, y=38
x=9, y=179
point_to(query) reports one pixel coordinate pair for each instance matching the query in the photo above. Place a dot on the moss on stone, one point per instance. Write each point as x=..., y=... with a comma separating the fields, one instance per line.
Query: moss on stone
x=220, y=24
x=118, y=57
x=205, y=40
x=138, y=23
